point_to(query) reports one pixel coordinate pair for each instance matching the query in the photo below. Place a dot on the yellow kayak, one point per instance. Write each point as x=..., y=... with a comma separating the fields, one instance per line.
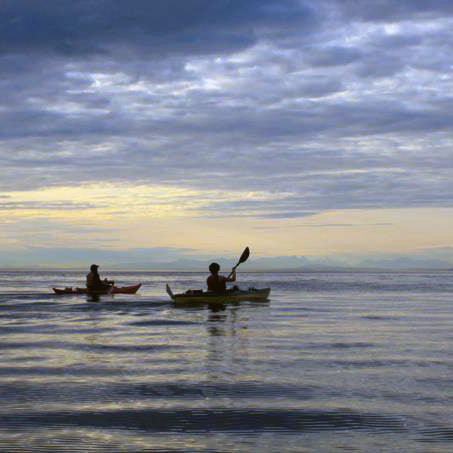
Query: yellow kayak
x=208, y=297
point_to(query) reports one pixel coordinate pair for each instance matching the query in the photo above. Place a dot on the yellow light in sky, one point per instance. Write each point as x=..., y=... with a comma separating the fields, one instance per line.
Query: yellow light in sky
x=141, y=216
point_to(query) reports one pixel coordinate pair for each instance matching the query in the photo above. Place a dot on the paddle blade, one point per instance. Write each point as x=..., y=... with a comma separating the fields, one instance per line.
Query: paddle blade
x=170, y=292
x=244, y=256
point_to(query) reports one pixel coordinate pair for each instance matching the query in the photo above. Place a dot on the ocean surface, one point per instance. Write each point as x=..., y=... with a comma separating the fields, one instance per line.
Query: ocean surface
x=357, y=362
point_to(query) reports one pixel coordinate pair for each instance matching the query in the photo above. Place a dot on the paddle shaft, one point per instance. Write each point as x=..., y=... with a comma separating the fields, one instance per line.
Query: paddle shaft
x=243, y=258
x=232, y=271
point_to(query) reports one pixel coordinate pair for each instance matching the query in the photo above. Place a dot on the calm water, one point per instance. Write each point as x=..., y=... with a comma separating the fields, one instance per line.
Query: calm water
x=332, y=362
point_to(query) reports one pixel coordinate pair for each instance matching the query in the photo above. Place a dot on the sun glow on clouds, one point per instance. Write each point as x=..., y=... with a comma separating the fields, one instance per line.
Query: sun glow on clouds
x=127, y=216
x=101, y=200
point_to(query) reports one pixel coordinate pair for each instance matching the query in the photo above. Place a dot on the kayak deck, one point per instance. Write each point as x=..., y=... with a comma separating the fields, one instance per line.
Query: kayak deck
x=206, y=297
x=115, y=290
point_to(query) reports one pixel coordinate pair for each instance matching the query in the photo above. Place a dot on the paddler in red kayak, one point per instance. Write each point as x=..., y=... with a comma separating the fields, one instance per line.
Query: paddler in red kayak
x=217, y=283
x=94, y=282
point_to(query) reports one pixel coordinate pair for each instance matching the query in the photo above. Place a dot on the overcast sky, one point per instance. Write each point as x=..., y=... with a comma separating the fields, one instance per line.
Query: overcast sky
x=277, y=115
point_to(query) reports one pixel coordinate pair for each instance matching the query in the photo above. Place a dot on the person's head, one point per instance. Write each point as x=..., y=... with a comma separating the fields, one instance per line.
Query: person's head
x=214, y=268
x=94, y=268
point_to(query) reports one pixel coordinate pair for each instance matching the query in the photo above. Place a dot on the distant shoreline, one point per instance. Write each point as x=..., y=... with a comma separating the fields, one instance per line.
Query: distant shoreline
x=107, y=269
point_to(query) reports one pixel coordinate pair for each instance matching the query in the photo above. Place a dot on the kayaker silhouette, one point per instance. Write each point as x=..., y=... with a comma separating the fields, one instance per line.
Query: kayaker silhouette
x=94, y=282
x=217, y=283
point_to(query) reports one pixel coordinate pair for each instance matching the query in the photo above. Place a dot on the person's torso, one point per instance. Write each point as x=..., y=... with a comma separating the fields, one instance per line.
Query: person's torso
x=217, y=283
x=93, y=279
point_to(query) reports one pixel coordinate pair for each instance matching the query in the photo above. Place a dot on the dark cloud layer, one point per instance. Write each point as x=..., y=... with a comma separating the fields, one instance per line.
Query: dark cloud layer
x=327, y=104
x=75, y=28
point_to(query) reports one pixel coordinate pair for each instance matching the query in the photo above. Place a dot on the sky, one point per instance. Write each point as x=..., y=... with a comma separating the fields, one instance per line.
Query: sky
x=157, y=134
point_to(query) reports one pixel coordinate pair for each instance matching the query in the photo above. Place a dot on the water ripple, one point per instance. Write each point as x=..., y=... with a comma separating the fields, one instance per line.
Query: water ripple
x=212, y=420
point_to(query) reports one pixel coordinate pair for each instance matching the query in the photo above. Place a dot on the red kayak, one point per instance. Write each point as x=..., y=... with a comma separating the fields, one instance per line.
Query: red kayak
x=115, y=290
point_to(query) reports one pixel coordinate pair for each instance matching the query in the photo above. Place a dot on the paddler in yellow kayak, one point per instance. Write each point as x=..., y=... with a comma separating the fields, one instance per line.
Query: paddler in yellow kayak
x=217, y=283
x=94, y=282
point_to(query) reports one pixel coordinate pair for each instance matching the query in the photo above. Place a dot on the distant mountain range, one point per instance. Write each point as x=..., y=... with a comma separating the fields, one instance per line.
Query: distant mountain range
x=177, y=259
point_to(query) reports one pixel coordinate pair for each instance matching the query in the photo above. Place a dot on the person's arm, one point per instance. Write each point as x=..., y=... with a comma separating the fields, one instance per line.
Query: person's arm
x=233, y=277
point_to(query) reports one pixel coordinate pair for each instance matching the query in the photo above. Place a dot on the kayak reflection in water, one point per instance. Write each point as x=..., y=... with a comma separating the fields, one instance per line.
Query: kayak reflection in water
x=217, y=283
x=94, y=282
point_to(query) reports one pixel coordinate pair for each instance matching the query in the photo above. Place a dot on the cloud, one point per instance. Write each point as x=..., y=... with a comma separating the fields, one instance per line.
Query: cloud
x=334, y=56
x=65, y=205
x=389, y=11
x=76, y=29
x=327, y=105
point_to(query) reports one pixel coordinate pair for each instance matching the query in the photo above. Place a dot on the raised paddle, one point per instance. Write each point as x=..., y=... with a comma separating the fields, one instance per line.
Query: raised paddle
x=242, y=259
